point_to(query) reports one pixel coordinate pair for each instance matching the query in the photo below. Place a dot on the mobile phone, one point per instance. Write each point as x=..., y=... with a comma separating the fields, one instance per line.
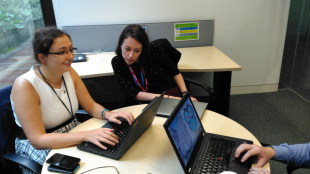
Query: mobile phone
x=63, y=161
x=53, y=168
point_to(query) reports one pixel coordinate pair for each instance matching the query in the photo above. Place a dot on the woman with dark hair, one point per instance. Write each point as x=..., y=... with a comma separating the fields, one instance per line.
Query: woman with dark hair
x=144, y=70
x=46, y=98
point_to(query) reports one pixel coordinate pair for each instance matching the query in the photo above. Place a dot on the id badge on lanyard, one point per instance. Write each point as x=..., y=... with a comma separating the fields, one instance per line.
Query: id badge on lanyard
x=145, y=85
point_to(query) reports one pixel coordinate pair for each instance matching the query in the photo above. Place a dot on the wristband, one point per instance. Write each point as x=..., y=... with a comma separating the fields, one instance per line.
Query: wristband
x=183, y=92
x=103, y=114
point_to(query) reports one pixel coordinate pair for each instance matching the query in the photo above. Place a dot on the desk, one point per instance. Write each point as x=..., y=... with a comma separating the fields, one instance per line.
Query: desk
x=194, y=59
x=153, y=152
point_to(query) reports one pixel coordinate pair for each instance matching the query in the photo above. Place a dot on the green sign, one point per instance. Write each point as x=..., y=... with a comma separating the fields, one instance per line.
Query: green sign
x=186, y=31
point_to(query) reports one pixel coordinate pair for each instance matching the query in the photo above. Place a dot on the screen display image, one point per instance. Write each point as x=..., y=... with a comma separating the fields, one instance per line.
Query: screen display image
x=184, y=130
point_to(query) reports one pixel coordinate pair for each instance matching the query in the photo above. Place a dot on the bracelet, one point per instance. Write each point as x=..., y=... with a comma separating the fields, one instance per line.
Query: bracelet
x=103, y=114
x=168, y=96
x=183, y=92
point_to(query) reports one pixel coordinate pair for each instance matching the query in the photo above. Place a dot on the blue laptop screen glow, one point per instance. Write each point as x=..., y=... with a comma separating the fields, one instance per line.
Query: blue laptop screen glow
x=184, y=130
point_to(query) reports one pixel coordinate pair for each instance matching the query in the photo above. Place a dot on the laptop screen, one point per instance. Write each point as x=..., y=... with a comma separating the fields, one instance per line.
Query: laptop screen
x=185, y=129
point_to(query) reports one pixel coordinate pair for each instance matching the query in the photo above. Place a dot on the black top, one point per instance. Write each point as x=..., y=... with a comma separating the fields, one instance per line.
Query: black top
x=159, y=71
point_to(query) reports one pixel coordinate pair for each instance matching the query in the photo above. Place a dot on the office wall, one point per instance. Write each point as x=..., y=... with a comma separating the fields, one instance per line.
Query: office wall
x=250, y=32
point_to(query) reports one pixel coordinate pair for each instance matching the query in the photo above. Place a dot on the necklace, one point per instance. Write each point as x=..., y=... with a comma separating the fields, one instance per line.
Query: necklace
x=71, y=113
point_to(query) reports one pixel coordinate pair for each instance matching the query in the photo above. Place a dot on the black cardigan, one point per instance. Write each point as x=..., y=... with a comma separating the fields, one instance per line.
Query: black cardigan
x=159, y=71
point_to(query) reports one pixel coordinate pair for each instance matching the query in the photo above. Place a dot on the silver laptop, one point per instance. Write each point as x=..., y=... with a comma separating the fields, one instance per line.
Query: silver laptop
x=168, y=104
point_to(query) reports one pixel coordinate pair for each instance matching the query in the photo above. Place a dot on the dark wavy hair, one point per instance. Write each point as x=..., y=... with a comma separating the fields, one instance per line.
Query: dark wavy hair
x=43, y=40
x=135, y=31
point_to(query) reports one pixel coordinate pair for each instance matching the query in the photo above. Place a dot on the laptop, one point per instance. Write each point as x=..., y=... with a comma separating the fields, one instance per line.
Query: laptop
x=168, y=104
x=198, y=151
x=127, y=134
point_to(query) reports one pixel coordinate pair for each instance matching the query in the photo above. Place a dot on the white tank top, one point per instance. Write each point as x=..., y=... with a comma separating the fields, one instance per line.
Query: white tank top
x=53, y=111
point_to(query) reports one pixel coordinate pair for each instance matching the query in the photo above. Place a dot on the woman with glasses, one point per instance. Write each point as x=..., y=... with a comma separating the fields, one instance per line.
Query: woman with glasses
x=144, y=70
x=46, y=98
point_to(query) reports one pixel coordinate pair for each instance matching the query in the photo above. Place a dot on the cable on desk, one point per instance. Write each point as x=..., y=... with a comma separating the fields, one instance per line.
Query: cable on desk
x=109, y=49
x=100, y=168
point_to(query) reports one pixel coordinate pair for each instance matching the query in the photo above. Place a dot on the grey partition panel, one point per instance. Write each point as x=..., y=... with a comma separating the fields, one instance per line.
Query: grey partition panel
x=166, y=30
x=87, y=38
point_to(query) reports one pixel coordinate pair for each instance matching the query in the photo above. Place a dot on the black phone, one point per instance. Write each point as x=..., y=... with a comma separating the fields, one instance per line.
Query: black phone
x=79, y=58
x=63, y=161
x=53, y=168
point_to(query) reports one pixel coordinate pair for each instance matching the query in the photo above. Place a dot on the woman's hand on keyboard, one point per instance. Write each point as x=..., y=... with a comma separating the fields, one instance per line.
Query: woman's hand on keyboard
x=112, y=116
x=104, y=135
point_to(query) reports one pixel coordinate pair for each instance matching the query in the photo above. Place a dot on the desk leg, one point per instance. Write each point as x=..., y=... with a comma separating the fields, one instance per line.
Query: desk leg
x=221, y=87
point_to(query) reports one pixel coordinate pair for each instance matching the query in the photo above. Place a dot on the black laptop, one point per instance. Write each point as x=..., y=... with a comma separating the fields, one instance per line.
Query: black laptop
x=198, y=151
x=127, y=134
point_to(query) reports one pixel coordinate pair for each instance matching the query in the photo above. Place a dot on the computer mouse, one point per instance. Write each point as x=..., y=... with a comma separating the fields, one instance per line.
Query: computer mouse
x=228, y=172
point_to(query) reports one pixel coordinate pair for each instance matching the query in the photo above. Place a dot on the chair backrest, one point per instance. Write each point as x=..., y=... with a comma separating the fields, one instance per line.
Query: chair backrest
x=5, y=128
x=6, y=123
x=175, y=55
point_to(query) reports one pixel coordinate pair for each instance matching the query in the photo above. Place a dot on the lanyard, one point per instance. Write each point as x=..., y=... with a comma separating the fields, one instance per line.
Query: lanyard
x=144, y=88
x=71, y=113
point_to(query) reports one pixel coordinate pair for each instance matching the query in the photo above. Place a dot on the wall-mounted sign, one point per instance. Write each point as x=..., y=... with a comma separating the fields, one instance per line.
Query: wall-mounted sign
x=186, y=31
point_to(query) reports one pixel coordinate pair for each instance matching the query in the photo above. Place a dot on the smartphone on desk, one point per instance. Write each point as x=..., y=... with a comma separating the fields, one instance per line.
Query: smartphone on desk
x=53, y=168
x=64, y=162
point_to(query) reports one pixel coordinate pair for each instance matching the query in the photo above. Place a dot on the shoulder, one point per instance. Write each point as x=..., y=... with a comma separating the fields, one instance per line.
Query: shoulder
x=74, y=75
x=118, y=62
x=154, y=46
x=115, y=59
x=24, y=82
x=21, y=84
x=22, y=87
x=156, y=50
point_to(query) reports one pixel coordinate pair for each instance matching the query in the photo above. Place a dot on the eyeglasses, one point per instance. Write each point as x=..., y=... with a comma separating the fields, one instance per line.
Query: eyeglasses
x=62, y=53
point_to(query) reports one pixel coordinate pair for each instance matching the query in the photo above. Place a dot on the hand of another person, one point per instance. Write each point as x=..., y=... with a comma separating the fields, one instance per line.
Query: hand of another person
x=258, y=171
x=112, y=116
x=264, y=154
x=194, y=99
x=104, y=135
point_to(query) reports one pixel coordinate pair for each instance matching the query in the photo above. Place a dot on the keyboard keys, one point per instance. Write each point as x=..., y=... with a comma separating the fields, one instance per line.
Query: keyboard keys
x=214, y=159
x=122, y=135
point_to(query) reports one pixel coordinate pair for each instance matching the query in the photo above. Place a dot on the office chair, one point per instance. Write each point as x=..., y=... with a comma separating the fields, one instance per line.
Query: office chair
x=291, y=169
x=9, y=160
x=175, y=55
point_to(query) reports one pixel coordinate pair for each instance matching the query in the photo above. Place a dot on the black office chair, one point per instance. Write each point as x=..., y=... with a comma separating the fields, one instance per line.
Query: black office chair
x=175, y=55
x=291, y=169
x=9, y=160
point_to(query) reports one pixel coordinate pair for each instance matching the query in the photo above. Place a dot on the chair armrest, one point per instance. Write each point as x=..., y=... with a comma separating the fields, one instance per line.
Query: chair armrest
x=31, y=165
x=205, y=87
x=291, y=169
x=81, y=112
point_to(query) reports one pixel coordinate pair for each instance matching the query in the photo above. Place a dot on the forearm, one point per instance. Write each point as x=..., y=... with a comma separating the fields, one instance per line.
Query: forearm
x=180, y=82
x=146, y=96
x=297, y=155
x=57, y=140
x=95, y=110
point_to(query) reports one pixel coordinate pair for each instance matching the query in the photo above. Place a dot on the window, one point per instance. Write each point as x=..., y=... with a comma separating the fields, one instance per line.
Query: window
x=18, y=21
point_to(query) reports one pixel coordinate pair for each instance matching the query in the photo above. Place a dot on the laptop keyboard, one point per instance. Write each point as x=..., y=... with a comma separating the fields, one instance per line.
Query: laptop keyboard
x=121, y=133
x=214, y=158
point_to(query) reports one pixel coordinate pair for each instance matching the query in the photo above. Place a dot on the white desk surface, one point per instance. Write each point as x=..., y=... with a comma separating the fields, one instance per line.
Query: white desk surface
x=194, y=59
x=153, y=152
